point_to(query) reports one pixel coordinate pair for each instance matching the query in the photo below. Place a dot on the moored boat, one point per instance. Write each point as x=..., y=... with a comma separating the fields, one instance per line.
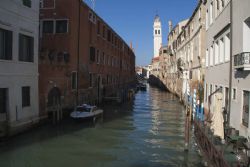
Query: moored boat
x=86, y=111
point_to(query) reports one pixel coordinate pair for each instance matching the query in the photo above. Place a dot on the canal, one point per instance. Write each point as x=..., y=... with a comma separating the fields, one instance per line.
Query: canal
x=147, y=132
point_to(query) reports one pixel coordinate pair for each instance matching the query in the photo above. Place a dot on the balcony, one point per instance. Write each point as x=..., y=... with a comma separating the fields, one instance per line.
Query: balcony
x=242, y=61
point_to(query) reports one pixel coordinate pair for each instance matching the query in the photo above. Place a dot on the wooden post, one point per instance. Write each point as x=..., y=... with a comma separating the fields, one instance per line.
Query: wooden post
x=187, y=128
x=58, y=113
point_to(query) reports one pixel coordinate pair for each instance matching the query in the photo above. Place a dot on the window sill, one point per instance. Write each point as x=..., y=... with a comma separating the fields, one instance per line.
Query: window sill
x=25, y=62
x=6, y=61
x=23, y=107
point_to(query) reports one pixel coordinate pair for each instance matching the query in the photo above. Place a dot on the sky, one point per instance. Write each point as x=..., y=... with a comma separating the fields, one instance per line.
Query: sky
x=133, y=20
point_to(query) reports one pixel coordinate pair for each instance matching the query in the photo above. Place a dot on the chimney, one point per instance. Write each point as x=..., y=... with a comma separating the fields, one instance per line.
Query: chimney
x=170, y=26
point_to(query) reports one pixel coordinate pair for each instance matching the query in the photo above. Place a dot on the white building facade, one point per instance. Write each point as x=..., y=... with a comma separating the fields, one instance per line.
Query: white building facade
x=157, y=36
x=239, y=115
x=19, y=27
x=217, y=52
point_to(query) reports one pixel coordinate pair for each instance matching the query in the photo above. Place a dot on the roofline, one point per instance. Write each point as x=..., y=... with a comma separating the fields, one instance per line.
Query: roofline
x=83, y=3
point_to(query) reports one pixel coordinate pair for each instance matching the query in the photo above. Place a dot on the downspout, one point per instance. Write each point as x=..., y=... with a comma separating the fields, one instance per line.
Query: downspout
x=78, y=52
x=231, y=62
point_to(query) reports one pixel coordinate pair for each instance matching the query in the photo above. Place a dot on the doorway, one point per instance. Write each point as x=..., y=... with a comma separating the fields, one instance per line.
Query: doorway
x=3, y=110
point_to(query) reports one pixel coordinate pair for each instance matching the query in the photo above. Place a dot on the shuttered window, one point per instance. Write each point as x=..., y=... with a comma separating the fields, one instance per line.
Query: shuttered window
x=5, y=44
x=26, y=48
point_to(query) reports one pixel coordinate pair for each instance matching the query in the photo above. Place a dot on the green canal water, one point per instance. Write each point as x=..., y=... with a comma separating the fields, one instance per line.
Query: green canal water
x=147, y=132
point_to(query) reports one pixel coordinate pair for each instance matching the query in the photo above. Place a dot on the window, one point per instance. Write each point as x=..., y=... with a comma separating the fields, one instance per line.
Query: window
x=227, y=47
x=98, y=56
x=115, y=41
x=211, y=13
x=112, y=38
x=216, y=56
x=217, y=11
x=41, y=4
x=222, y=3
x=206, y=93
x=110, y=59
x=3, y=100
x=207, y=20
x=246, y=34
x=98, y=27
x=109, y=35
x=234, y=94
x=246, y=101
x=92, y=53
x=94, y=18
x=107, y=59
x=207, y=61
x=90, y=80
x=113, y=62
x=103, y=31
x=103, y=58
x=27, y=3
x=73, y=80
x=48, y=26
x=155, y=32
x=211, y=56
x=26, y=96
x=26, y=48
x=107, y=79
x=5, y=44
x=90, y=15
x=159, y=32
x=222, y=50
x=211, y=89
x=61, y=26
x=191, y=74
x=47, y=4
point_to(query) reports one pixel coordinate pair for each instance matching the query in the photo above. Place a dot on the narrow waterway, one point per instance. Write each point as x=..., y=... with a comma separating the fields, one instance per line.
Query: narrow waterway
x=148, y=132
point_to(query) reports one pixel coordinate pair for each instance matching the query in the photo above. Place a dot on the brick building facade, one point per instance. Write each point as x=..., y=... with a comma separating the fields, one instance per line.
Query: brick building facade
x=82, y=59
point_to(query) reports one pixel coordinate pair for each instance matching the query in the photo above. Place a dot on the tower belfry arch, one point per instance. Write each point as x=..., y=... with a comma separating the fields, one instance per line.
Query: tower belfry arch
x=157, y=35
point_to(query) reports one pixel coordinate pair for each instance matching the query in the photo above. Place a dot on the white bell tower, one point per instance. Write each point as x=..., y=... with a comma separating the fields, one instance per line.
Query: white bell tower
x=157, y=35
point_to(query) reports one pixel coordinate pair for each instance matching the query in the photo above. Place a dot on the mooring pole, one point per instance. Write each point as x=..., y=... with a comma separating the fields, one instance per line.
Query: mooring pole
x=187, y=128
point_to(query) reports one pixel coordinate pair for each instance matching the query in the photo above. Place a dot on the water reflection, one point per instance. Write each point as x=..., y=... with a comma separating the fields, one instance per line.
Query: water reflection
x=148, y=132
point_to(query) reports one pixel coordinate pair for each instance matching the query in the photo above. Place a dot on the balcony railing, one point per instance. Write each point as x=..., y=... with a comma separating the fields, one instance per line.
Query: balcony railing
x=242, y=61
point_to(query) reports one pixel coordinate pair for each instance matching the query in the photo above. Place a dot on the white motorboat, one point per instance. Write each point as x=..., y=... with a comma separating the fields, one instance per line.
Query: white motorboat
x=86, y=111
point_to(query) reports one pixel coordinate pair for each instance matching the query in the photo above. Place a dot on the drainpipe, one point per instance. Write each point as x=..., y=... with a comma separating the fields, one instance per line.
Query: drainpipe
x=231, y=62
x=78, y=52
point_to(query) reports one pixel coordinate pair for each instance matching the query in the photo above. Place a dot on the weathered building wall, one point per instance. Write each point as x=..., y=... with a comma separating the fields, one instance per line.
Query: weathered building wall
x=106, y=62
x=19, y=108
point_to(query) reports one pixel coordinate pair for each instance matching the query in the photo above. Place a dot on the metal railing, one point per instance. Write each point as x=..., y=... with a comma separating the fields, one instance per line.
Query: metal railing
x=242, y=60
x=209, y=150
